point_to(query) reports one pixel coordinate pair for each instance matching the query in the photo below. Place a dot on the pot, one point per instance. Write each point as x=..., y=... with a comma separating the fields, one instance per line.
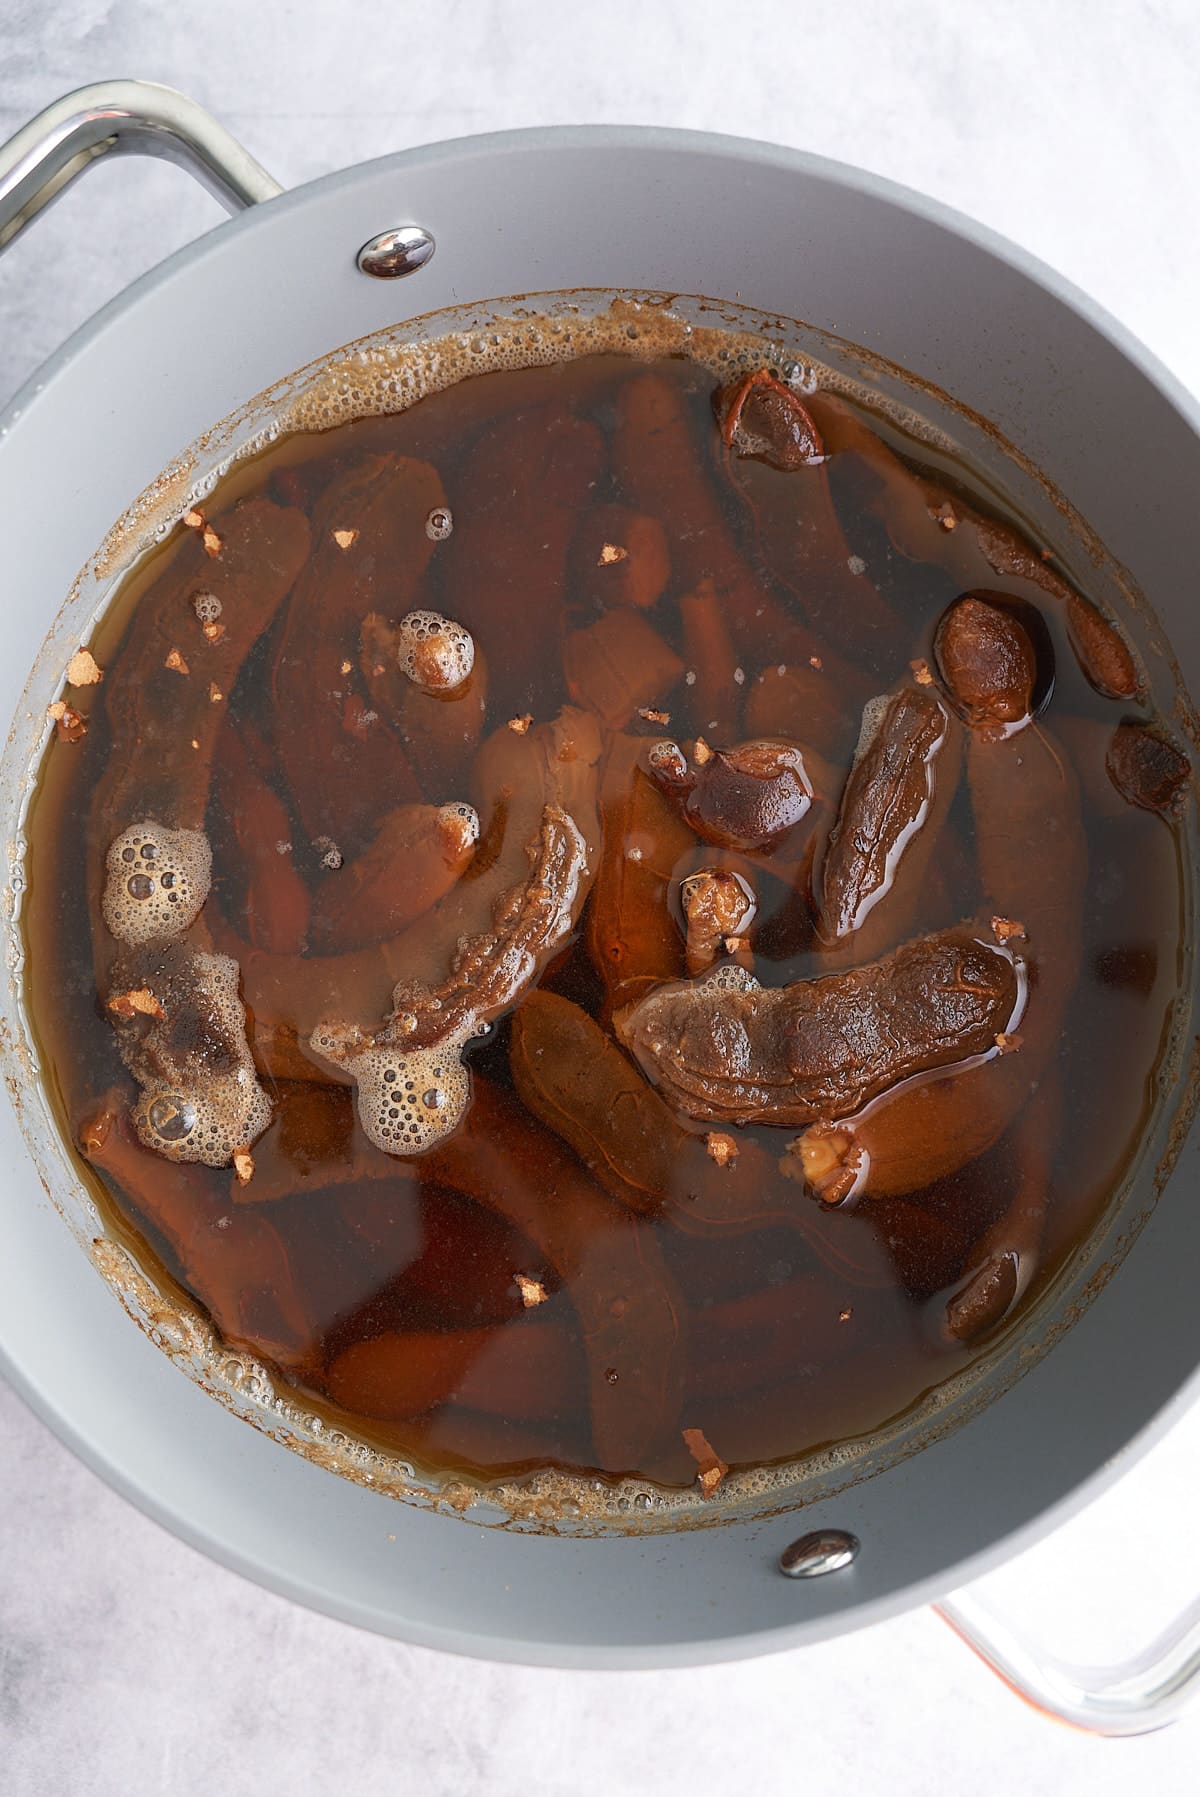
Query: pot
x=883, y=277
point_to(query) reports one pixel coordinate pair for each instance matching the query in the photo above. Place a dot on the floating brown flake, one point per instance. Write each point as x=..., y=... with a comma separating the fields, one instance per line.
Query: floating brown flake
x=83, y=669
x=710, y=1468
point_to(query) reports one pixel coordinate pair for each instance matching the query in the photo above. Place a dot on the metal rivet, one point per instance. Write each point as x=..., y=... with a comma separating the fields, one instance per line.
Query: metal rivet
x=824, y=1550
x=395, y=253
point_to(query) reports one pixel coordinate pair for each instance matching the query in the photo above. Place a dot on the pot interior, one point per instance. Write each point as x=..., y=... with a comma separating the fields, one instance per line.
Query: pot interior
x=388, y=371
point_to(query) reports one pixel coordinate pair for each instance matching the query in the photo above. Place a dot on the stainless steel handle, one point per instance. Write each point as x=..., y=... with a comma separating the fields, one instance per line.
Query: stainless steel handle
x=126, y=117
x=1144, y=1693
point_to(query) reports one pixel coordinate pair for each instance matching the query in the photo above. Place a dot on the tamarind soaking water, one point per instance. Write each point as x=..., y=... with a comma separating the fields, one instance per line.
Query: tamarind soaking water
x=615, y=926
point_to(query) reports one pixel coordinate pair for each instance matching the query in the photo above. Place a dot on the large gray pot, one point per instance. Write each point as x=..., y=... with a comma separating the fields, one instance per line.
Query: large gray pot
x=266, y=293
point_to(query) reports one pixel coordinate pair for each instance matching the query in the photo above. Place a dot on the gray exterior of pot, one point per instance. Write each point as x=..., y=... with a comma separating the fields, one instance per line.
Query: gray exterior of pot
x=536, y=212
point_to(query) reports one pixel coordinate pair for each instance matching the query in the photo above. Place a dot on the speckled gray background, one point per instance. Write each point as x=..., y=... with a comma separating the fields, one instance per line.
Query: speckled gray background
x=128, y=1663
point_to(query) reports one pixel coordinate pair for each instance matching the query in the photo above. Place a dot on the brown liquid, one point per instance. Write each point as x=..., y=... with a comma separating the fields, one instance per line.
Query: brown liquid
x=781, y=1340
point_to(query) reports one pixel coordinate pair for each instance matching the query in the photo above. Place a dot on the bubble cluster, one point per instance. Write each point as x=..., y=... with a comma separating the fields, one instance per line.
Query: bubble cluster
x=328, y=850
x=407, y=1099
x=458, y=825
x=874, y=712
x=206, y=1124
x=436, y=653
x=391, y=370
x=730, y=976
x=157, y=882
x=207, y=607
x=190, y=1108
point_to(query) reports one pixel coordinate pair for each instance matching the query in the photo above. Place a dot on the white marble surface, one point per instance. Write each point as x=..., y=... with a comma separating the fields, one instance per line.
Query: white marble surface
x=128, y=1662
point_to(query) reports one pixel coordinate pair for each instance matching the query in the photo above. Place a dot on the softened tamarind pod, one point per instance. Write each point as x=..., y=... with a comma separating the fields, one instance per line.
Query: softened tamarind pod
x=619, y=665
x=234, y=1261
x=439, y=732
x=664, y=469
x=413, y=1087
x=489, y=972
x=207, y=611
x=632, y=937
x=629, y=1314
x=525, y=1370
x=1146, y=769
x=1003, y=1263
x=762, y=420
x=522, y=1371
x=516, y=776
x=1032, y=856
x=572, y=1076
x=370, y=552
x=1101, y=651
x=417, y=854
x=528, y=478
x=715, y=697
x=277, y=899
x=727, y=1050
x=203, y=614
x=928, y=523
x=610, y=1265
x=876, y=860
x=619, y=557
x=658, y=464
x=988, y=662
x=749, y=798
x=777, y=462
x=923, y=519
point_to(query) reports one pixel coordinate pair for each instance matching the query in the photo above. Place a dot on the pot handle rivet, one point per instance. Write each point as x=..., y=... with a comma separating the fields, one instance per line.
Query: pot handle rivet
x=395, y=253
x=821, y=1551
